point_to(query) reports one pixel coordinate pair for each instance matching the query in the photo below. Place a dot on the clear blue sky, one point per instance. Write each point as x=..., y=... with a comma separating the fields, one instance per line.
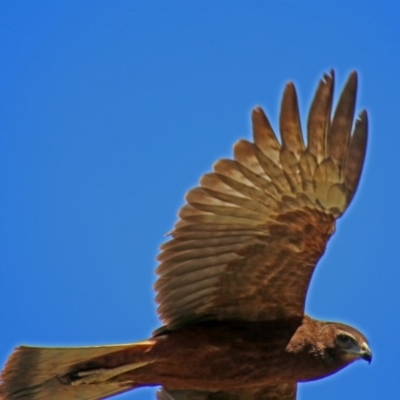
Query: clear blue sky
x=111, y=110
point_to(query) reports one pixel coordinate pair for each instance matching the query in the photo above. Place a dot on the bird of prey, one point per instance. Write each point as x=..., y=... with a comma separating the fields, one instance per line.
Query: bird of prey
x=233, y=278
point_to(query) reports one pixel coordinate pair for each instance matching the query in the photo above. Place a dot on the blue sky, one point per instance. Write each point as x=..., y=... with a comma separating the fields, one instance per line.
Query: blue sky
x=111, y=111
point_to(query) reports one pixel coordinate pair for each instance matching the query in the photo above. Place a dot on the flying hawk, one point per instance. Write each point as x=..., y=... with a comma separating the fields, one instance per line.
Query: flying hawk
x=234, y=276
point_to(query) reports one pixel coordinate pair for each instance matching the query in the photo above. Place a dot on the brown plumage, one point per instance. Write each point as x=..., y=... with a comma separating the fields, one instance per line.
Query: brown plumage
x=234, y=277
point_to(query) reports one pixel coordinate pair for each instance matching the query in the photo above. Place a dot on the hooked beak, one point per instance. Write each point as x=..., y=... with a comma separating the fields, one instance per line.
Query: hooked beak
x=366, y=353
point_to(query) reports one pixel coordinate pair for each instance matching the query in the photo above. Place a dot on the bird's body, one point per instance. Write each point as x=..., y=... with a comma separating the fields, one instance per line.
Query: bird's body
x=236, y=356
x=234, y=277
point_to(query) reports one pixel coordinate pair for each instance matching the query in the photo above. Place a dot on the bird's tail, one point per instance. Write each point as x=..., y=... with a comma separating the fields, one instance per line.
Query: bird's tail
x=84, y=373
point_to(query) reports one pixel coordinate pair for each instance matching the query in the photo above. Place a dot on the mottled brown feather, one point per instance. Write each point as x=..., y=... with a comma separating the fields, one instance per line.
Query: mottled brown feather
x=263, y=135
x=342, y=122
x=356, y=153
x=319, y=118
x=289, y=122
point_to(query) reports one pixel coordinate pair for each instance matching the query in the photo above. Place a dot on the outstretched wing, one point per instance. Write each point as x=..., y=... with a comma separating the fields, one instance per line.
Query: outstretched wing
x=250, y=235
x=285, y=391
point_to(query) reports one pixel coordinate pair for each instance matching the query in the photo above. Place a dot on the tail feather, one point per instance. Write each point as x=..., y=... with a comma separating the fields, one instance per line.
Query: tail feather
x=34, y=373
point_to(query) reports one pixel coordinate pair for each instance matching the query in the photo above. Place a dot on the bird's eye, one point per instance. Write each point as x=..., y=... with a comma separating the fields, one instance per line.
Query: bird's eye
x=344, y=338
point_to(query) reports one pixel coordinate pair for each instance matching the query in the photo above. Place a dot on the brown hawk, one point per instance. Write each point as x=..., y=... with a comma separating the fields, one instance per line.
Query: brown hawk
x=233, y=278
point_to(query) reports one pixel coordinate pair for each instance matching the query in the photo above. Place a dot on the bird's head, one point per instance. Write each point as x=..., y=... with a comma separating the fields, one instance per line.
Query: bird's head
x=322, y=348
x=348, y=343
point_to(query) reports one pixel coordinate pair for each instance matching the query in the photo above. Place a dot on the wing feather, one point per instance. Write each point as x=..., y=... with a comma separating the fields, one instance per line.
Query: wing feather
x=248, y=239
x=244, y=156
x=273, y=171
x=188, y=244
x=192, y=254
x=264, y=136
x=175, y=282
x=356, y=154
x=292, y=139
x=338, y=140
x=291, y=169
x=319, y=118
x=308, y=165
